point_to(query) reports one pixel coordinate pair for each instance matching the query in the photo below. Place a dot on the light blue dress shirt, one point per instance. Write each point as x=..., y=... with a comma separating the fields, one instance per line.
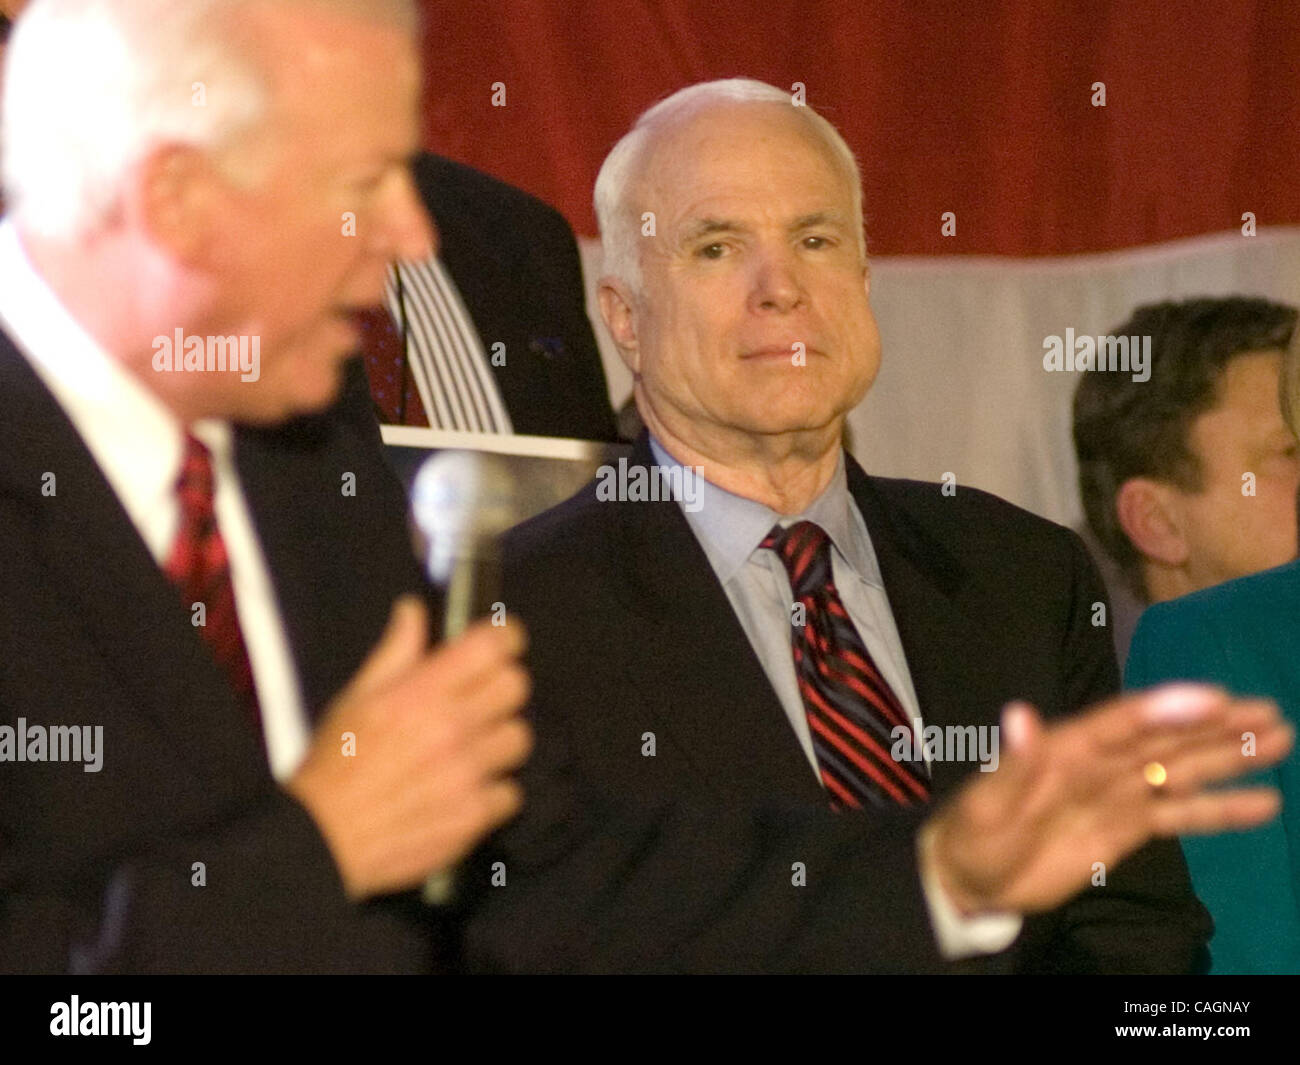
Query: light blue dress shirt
x=730, y=528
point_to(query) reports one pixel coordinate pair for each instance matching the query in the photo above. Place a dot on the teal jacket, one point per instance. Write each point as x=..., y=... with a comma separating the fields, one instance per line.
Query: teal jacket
x=1245, y=636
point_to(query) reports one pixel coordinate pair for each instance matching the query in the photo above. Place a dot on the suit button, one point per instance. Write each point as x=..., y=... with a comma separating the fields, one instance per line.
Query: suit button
x=549, y=348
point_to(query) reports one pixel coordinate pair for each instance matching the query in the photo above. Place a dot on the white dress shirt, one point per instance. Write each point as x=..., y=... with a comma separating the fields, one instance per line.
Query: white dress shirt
x=138, y=444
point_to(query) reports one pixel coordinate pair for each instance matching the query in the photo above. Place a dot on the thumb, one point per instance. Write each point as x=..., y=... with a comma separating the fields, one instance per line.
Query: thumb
x=400, y=647
x=1022, y=730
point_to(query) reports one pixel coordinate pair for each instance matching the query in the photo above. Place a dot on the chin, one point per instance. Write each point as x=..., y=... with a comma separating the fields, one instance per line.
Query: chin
x=793, y=416
x=307, y=393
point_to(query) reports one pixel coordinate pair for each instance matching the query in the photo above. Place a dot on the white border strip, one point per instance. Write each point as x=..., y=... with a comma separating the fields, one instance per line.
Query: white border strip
x=547, y=447
x=1138, y=255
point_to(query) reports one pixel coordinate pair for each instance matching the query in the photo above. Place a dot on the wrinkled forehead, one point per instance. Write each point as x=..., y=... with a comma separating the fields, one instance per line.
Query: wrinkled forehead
x=297, y=43
x=335, y=78
x=739, y=155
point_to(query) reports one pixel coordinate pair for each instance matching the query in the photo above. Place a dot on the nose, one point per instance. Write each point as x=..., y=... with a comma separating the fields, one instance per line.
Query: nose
x=776, y=285
x=403, y=228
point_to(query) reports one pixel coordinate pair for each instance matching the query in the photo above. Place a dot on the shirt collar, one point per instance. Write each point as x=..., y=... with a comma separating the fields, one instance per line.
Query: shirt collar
x=730, y=527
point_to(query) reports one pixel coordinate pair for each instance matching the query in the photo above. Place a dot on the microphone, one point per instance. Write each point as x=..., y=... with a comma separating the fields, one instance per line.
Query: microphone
x=462, y=502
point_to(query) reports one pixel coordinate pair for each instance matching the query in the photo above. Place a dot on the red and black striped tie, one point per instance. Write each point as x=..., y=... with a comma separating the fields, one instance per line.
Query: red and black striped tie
x=852, y=711
x=199, y=566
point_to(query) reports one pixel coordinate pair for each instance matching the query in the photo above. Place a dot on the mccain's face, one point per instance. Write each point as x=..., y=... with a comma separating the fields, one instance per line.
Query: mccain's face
x=754, y=315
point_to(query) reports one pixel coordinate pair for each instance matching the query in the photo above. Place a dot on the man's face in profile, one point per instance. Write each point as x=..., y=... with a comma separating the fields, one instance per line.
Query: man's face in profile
x=1229, y=532
x=300, y=251
x=754, y=316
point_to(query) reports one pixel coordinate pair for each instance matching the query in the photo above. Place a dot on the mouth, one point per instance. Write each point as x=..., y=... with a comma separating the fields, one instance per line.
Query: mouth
x=778, y=352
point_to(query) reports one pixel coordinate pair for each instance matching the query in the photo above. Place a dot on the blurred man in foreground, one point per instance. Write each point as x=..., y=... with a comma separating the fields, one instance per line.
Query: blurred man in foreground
x=203, y=582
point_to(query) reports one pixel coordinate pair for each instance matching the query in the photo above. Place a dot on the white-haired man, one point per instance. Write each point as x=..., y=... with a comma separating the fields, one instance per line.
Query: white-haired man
x=791, y=633
x=206, y=573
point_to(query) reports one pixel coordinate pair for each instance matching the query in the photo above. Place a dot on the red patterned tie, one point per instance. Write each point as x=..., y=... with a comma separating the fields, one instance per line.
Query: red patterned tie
x=199, y=567
x=391, y=385
x=852, y=711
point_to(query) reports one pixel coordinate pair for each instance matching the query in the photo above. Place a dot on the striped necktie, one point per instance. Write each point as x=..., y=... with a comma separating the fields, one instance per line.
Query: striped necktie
x=200, y=568
x=852, y=711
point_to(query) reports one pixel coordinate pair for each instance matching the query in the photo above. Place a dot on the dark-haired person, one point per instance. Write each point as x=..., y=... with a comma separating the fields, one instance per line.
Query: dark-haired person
x=1243, y=635
x=1189, y=478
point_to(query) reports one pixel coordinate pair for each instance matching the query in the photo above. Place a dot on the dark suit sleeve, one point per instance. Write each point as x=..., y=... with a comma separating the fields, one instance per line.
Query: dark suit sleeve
x=569, y=286
x=146, y=913
x=585, y=883
x=1145, y=918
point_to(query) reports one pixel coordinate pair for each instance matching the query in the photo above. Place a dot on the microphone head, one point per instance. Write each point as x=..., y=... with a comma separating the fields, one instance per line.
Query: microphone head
x=461, y=502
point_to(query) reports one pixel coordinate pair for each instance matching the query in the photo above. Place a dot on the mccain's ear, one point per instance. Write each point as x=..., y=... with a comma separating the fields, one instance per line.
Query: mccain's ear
x=1151, y=517
x=618, y=309
x=171, y=197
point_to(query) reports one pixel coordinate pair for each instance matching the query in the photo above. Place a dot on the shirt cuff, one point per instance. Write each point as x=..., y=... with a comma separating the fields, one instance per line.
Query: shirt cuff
x=958, y=936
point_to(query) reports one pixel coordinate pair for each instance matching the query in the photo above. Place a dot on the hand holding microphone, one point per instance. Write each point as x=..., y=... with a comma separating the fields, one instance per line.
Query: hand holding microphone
x=436, y=733
x=462, y=503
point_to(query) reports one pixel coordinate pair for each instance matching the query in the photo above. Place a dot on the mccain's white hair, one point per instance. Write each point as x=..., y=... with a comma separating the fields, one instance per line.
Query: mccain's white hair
x=620, y=223
x=91, y=86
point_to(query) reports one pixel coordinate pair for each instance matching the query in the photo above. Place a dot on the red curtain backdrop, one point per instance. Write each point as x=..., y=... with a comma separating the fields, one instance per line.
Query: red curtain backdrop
x=982, y=108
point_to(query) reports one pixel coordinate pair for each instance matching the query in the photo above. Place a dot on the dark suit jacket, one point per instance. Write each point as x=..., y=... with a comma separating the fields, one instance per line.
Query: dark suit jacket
x=96, y=868
x=631, y=634
x=516, y=265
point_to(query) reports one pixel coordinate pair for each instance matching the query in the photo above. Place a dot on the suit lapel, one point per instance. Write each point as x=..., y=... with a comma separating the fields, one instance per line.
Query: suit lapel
x=696, y=666
x=691, y=626
x=111, y=587
x=336, y=562
x=944, y=646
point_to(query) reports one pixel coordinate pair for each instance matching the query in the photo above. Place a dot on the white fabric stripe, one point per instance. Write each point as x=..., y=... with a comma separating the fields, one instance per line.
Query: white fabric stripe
x=445, y=406
x=475, y=352
x=435, y=391
x=447, y=357
x=458, y=362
